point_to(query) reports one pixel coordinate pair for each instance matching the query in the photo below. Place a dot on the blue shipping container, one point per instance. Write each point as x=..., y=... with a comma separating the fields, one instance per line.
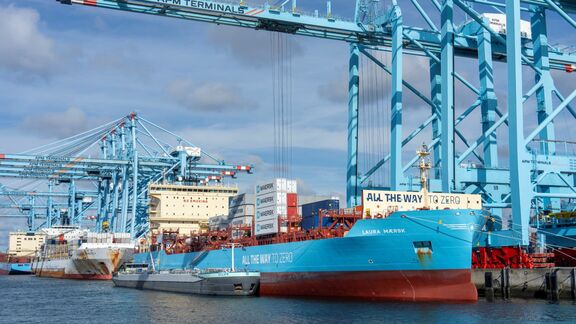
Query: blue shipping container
x=310, y=219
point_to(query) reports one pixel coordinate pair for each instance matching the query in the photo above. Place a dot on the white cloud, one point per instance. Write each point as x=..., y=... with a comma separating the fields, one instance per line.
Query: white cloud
x=58, y=124
x=213, y=96
x=261, y=136
x=252, y=47
x=24, y=49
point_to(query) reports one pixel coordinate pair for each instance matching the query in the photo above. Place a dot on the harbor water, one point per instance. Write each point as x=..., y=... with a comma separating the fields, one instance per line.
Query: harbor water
x=28, y=299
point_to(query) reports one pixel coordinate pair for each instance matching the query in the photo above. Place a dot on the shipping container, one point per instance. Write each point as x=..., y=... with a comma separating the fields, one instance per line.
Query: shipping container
x=276, y=185
x=310, y=216
x=247, y=220
x=241, y=210
x=269, y=226
x=271, y=199
x=269, y=212
x=218, y=223
x=292, y=200
x=241, y=199
x=292, y=211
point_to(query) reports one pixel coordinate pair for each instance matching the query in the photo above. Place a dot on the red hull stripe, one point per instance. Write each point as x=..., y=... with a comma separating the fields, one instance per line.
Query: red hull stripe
x=90, y=2
x=437, y=285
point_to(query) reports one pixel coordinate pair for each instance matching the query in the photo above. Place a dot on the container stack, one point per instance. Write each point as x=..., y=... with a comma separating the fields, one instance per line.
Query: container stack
x=272, y=205
x=310, y=213
x=240, y=214
x=218, y=223
x=241, y=209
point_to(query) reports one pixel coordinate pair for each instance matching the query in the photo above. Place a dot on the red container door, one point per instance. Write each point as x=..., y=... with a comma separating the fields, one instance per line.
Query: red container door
x=292, y=200
x=292, y=211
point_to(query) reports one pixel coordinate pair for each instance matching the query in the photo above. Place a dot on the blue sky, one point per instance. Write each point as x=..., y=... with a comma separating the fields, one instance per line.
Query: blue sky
x=64, y=69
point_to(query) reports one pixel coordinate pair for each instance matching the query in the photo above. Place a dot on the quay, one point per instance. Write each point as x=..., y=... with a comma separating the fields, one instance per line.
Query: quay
x=553, y=284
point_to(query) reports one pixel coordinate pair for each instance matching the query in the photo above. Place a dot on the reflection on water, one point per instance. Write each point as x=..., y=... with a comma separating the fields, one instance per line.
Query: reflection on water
x=27, y=299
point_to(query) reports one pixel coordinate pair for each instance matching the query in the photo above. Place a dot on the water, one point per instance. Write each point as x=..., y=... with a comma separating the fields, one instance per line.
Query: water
x=28, y=299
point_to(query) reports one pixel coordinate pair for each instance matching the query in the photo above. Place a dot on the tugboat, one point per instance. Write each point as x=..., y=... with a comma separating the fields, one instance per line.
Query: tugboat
x=220, y=282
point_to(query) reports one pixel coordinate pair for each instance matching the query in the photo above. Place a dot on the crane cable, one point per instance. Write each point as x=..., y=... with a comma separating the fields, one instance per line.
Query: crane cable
x=282, y=53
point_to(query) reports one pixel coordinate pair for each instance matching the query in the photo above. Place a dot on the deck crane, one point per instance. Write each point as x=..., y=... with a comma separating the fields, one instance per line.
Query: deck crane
x=537, y=174
x=69, y=185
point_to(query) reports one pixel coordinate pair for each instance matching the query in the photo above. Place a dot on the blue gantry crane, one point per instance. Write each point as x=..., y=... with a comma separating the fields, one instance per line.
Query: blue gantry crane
x=536, y=174
x=103, y=174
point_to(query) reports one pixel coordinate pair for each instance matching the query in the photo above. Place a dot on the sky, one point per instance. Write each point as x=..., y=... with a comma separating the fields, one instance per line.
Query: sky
x=65, y=69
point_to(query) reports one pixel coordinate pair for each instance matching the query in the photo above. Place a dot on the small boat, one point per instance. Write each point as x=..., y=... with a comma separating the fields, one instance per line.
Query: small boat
x=220, y=282
x=15, y=268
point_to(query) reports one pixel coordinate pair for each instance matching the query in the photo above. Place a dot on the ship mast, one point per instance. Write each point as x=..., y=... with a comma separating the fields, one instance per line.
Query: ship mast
x=424, y=166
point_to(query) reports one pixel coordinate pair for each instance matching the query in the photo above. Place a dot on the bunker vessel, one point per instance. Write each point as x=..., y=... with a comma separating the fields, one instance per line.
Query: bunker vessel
x=217, y=282
x=73, y=253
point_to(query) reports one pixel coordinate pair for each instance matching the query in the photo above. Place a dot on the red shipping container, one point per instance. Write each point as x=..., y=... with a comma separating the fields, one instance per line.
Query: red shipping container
x=292, y=200
x=292, y=211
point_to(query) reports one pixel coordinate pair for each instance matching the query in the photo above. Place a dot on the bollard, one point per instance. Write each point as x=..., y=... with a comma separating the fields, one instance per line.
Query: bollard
x=547, y=285
x=573, y=284
x=554, y=286
x=505, y=283
x=488, y=286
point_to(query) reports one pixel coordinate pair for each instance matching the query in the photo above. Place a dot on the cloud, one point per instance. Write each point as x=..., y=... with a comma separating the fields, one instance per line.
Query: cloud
x=335, y=90
x=375, y=83
x=58, y=124
x=260, y=135
x=214, y=96
x=252, y=47
x=24, y=50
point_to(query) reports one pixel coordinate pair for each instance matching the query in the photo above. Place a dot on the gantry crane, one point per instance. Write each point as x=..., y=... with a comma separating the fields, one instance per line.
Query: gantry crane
x=112, y=188
x=538, y=175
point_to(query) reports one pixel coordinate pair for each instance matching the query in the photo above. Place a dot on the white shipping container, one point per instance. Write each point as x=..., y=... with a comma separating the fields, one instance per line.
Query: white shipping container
x=271, y=199
x=292, y=186
x=270, y=212
x=266, y=227
x=276, y=185
x=379, y=202
x=217, y=220
x=247, y=220
x=243, y=210
x=241, y=199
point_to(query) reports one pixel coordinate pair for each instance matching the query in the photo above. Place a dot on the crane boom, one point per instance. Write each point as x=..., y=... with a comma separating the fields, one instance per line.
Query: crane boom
x=417, y=40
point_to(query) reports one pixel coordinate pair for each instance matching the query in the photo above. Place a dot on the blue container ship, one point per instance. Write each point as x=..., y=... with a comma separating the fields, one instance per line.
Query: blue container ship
x=419, y=255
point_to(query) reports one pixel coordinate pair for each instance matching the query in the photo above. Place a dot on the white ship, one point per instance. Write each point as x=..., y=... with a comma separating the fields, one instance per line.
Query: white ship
x=74, y=253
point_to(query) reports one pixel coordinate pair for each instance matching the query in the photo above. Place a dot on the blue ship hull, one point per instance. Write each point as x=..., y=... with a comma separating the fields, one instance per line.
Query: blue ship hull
x=412, y=255
x=15, y=268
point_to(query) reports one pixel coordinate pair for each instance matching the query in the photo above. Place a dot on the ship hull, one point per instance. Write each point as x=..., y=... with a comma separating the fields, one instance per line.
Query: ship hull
x=438, y=285
x=84, y=264
x=409, y=256
x=15, y=269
